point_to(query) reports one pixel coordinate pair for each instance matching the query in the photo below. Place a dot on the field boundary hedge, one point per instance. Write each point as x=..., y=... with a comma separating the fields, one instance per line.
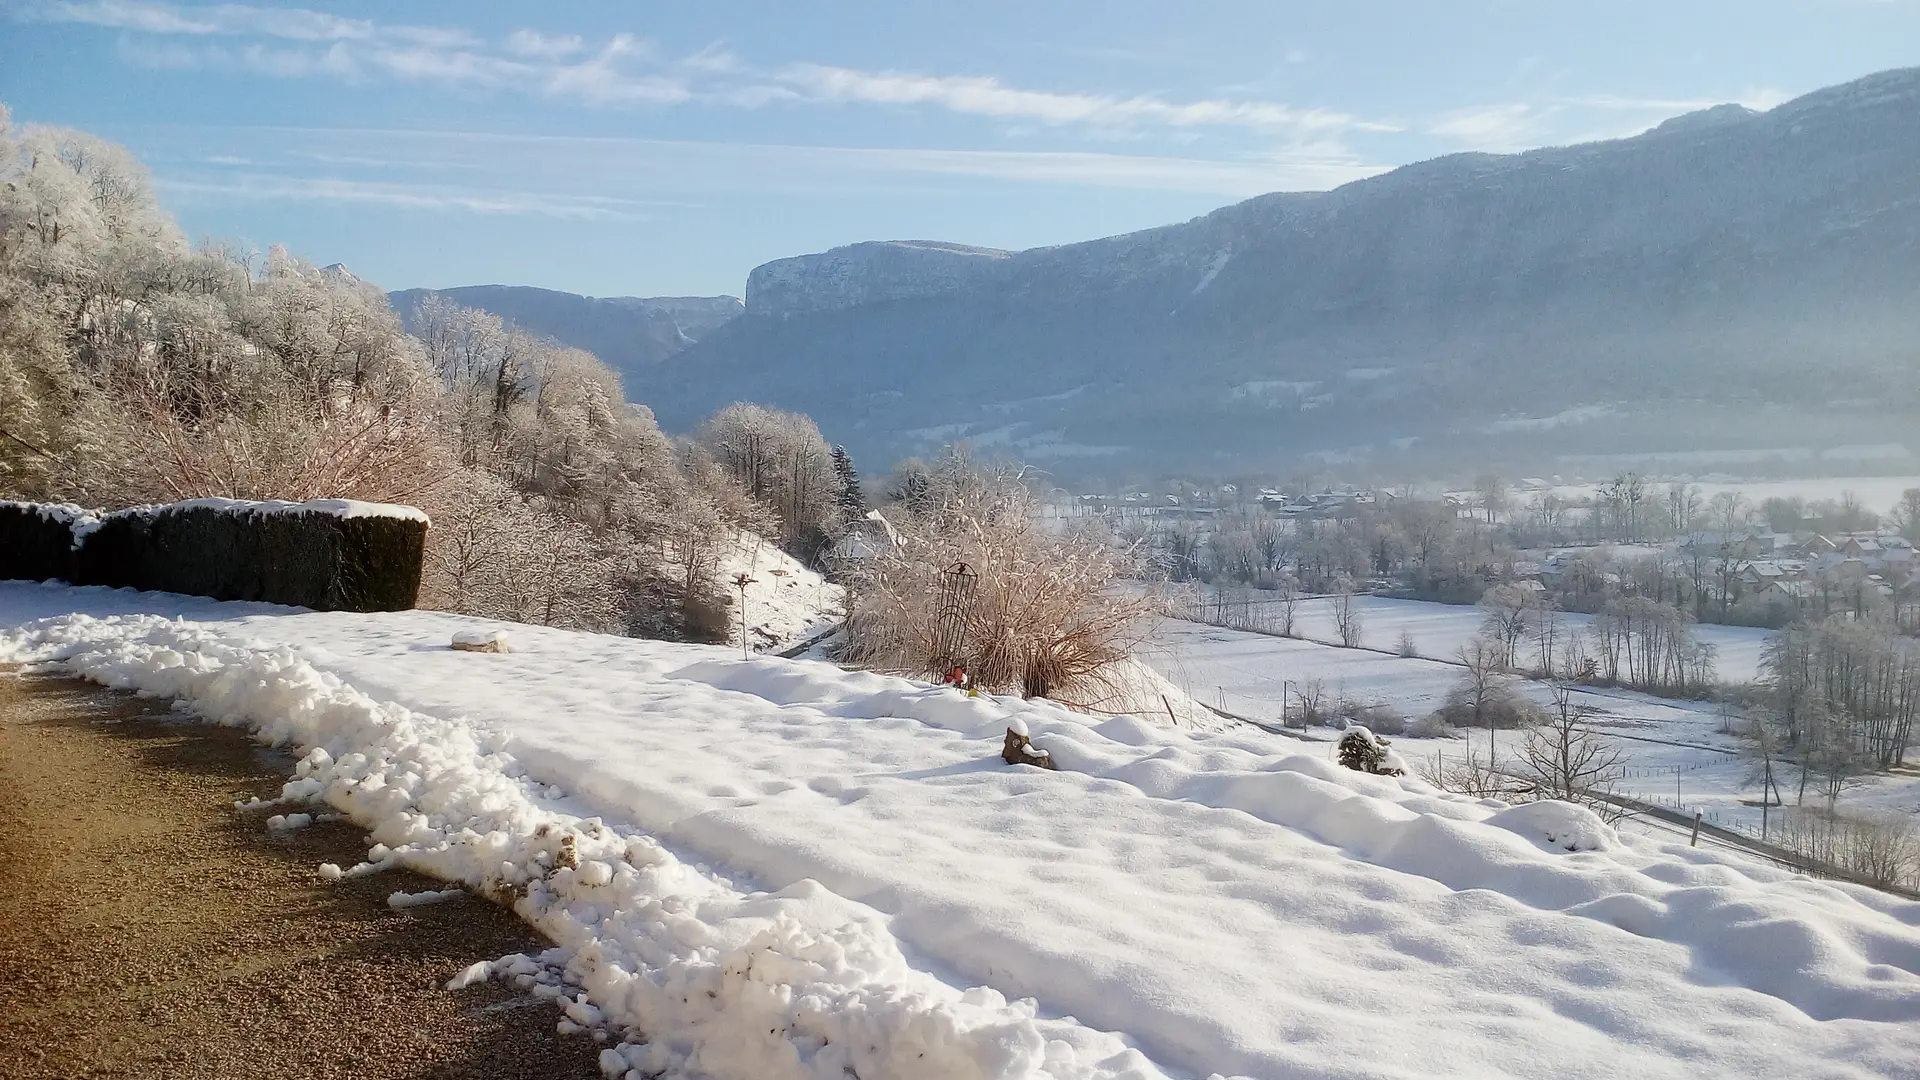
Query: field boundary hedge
x=328, y=554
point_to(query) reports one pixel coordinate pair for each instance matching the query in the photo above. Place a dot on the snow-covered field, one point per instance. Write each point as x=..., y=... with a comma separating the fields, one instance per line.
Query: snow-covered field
x=778, y=869
x=1439, y=630
x=1674, y=750
x=1876, y=493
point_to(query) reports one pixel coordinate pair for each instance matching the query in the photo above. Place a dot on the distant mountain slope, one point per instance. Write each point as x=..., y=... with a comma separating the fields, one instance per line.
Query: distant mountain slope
x=632, y=334
x=1731, y=279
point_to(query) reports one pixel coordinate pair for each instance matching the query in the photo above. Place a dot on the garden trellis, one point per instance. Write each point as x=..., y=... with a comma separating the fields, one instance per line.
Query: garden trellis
x=957, y=584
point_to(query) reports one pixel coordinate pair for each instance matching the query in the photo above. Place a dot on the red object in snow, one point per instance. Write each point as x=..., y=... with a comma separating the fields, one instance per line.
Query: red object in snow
x=957, y=676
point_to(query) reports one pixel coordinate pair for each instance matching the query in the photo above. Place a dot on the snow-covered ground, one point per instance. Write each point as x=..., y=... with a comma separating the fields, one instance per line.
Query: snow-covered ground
x=1439, y=630
x=779, y=869
x=1876, y=493
x=786, y=603
x=1674, y=751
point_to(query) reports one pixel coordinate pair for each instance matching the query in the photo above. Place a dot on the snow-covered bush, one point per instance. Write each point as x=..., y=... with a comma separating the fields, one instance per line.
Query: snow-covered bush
x=1363, y=751
x=1041, y=616
x=1406, y=646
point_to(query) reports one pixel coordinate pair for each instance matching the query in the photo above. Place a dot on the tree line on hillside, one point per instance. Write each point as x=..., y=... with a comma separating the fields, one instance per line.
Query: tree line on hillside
x=137, y=367
x=1694, y=554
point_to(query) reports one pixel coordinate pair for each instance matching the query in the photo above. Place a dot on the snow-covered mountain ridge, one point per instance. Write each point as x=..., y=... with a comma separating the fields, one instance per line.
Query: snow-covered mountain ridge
x=869, y=273
x=1704, y=266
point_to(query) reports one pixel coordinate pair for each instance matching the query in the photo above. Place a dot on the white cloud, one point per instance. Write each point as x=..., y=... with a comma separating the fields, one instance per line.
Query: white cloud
x=1149, y=172
x=1495, y=127
x=412, y=196
x=240, y=20
x=657, y=169
x=986, y=96
x=542, y=46
x=295, y=24
x=1567, y=120
x=626, y=70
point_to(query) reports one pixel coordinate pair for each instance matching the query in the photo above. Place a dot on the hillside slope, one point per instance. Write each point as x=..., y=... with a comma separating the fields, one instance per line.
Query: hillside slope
x=631, y=333
x=1728, y=279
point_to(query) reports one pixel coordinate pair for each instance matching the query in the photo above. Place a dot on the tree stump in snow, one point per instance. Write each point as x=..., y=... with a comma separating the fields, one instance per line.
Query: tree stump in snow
x=1019, y=750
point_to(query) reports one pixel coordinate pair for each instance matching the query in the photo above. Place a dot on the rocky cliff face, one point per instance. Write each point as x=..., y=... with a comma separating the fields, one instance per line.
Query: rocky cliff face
x=695, y=316
x=1669, y=289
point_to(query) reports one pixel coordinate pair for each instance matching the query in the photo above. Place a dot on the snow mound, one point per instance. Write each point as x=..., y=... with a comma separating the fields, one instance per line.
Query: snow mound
x=481, y=640
x=1557, y=825
x=1131, y=687
x=400, y=901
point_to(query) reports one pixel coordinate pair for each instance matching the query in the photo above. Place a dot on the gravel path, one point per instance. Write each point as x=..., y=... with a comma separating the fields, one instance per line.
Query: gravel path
x=148, y=929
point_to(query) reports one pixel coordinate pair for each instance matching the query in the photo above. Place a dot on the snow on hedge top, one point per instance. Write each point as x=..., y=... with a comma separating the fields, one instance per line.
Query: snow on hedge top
x=338, y=508
x=78, y=520
x=59, y=513
x=84, y=522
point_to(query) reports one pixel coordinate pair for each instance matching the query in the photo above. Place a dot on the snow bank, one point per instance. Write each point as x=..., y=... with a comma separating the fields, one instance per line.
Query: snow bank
x=779, y=869
x=796, y=983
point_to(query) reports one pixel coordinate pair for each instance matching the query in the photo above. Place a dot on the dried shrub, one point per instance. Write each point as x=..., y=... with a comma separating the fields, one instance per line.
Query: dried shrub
x=1043, y=618
x=1883, y=849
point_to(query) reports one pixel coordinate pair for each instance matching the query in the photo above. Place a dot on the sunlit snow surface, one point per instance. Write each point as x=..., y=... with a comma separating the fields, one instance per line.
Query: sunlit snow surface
x=1675, y=751
x=797, y=870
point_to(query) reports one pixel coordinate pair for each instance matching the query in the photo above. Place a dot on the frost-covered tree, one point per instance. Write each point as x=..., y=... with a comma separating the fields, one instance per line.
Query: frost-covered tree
x=780, y=459
x=1347, y=620
x=1566, y=759
x=136, y=367
x=1509, y=613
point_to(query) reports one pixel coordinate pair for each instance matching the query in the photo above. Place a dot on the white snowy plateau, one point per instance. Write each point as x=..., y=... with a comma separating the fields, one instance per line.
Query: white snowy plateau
x=772, y=869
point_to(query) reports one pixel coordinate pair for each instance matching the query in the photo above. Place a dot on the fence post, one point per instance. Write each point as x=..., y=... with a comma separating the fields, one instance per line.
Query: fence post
x=1694, y=841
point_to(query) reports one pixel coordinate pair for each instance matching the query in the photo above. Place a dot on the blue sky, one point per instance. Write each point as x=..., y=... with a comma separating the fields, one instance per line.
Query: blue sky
x=668, y=148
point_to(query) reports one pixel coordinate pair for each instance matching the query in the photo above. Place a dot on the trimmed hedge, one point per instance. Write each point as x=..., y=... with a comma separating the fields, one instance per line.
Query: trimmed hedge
x=36, y=541
x=326, y=556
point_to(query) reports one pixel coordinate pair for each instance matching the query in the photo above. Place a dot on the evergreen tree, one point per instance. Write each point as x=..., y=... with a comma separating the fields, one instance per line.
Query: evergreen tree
x=852, y=502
